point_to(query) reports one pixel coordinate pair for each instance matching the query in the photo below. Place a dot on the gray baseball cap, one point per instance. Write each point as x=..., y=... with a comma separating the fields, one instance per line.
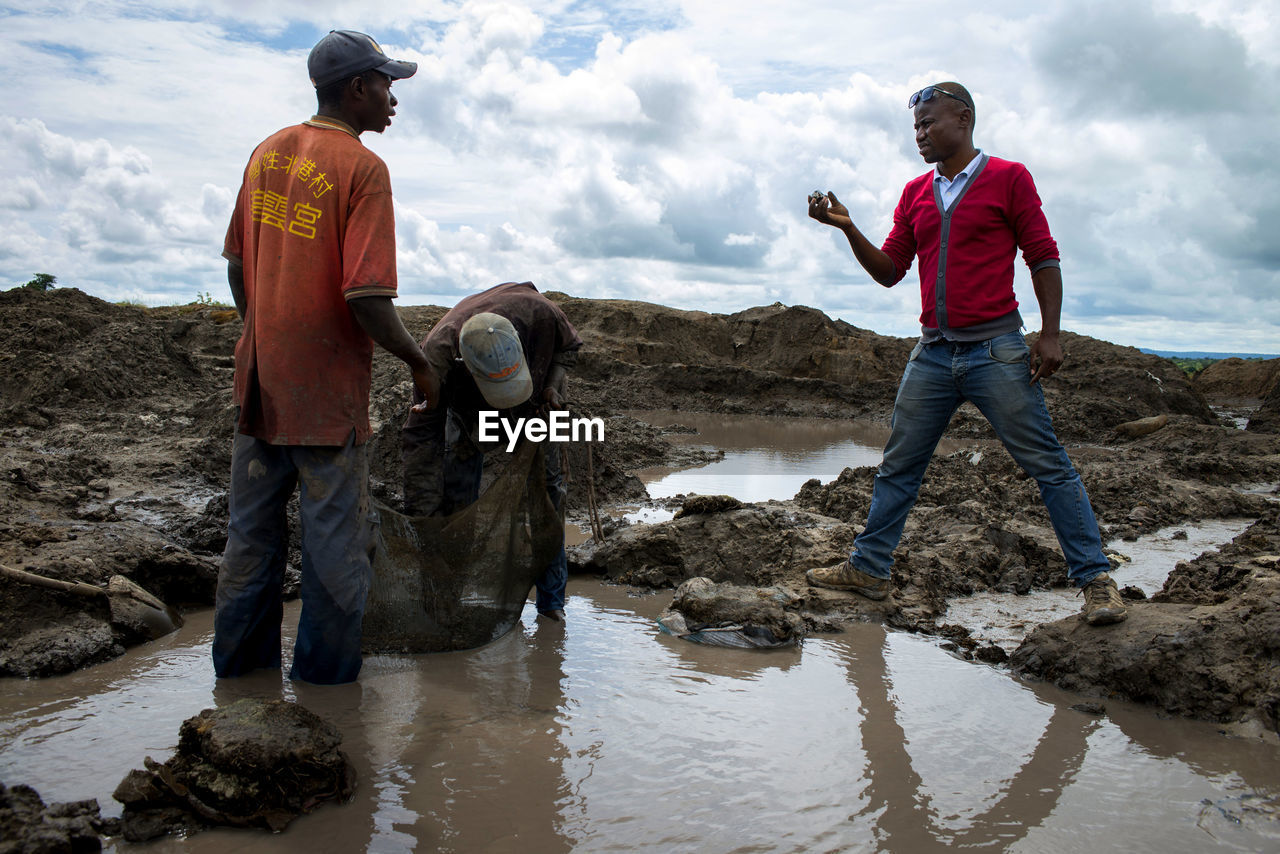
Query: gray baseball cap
x=345, y=53
x=492, y=351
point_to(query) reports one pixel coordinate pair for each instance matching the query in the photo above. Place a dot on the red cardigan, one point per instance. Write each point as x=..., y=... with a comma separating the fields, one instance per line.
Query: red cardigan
x=996, y=213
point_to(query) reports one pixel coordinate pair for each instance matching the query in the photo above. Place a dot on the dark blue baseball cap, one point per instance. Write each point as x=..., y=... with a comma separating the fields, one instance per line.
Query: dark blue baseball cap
x=345, y=53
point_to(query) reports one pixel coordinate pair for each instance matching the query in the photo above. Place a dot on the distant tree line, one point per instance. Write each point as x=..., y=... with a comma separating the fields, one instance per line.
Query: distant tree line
x=1191, y=367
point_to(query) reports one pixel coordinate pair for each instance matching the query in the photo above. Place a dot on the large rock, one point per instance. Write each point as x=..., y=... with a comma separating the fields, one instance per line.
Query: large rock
x=254, y=763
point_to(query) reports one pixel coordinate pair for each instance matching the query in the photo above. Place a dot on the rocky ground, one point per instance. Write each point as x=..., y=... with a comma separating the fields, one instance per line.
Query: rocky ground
x=115, y=426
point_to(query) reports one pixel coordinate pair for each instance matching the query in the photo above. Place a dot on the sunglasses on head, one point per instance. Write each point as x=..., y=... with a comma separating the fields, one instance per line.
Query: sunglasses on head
x=927, y=93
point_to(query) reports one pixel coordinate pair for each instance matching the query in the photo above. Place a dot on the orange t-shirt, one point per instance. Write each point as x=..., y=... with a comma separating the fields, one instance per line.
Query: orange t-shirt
x=313, y=227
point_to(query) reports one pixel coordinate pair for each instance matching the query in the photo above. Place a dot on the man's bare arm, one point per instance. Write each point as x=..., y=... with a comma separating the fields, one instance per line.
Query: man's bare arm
x=377, y=316
x=828, y=209
x=235, y=279
x=1046, y=355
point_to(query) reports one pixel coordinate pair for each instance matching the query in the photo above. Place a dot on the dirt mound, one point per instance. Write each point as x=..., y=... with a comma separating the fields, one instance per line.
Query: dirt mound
x=64, y=348
x=28, y=825
x=781, y=360
x=1128, y=497
x=254, y=763
x=1237, y=379
x=1267, y=417
x=1201, y=647
x=1229, y=572
x=754, y=545
x=769, y=360
x=1102, y=385
x=1215, y=453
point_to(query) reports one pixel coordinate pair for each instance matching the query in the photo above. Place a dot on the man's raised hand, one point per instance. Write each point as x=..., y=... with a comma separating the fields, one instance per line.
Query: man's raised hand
x=826, y=208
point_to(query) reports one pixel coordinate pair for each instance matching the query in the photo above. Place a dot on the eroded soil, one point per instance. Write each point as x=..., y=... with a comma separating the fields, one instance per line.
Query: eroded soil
x=115, y=437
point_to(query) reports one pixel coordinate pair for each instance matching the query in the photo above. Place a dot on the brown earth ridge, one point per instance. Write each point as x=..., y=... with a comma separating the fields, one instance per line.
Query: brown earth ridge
x=115, y=436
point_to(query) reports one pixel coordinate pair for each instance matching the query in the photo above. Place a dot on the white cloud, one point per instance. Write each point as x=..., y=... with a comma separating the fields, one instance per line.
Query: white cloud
x=663, y=151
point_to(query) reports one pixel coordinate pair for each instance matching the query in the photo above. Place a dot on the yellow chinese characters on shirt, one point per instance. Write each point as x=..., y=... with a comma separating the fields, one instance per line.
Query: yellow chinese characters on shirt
x=272, y=208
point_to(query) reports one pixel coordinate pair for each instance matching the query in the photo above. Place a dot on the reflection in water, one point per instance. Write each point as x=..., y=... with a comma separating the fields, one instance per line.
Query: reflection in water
x=906, y=812
x=607, y=735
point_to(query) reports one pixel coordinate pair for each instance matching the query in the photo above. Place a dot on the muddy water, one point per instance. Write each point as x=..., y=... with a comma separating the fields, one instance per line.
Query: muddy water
x=764, y=457
x=610, y=736
x=607, y=735
x=1005, y=618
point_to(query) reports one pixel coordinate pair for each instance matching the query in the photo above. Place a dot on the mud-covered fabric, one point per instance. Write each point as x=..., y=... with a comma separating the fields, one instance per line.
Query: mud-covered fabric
x=443, y=473
x=336, y=535
x=460, y=581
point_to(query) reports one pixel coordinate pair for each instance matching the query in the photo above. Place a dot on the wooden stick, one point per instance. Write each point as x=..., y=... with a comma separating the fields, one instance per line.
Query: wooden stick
x=79, y=588
x=597, y=530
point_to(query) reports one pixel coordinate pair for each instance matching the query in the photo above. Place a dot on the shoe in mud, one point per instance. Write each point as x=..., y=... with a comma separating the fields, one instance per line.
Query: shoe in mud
x=555, y=615
x=1102, y=602
x=843, y=576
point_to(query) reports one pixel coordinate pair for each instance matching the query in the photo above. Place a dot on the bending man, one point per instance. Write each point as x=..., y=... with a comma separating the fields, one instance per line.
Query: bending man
x=507, y=349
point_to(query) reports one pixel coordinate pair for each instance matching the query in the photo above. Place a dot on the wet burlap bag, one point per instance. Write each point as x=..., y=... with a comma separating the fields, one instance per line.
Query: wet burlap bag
x=461, y=581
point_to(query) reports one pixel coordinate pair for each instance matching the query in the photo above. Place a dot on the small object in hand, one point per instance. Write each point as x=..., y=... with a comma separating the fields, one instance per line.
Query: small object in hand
x=816, y=196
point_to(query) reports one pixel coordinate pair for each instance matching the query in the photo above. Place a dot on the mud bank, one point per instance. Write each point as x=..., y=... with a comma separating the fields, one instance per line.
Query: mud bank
x=1206, y=645
x=115, y=446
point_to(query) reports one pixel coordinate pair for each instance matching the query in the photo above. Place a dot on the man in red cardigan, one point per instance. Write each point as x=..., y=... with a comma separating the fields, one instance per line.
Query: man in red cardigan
x=965, y=220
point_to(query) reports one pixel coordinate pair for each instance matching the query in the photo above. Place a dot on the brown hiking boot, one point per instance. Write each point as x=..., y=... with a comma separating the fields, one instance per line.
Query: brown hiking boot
x=844, y=577
x=1102, y=602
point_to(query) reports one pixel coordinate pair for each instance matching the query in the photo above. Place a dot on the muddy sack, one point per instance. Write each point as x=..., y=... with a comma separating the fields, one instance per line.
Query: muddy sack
x=461, y=581
x=730, y=615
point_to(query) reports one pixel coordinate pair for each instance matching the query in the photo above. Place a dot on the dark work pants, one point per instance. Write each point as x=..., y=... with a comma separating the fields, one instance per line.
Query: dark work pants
x=336, y=569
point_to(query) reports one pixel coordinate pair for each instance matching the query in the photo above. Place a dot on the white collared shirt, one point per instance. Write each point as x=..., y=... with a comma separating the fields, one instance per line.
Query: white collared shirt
x=949, y=190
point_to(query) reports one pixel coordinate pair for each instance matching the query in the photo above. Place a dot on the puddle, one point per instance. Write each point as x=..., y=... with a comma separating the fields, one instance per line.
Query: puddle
x=764, y=457
x=1005, y=618
x=607, y=735
x=1237, y=412
x=1266, y=490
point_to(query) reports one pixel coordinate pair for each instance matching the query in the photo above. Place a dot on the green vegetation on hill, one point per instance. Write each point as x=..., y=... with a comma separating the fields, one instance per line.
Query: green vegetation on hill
x=42, y=282
x=1192, y=366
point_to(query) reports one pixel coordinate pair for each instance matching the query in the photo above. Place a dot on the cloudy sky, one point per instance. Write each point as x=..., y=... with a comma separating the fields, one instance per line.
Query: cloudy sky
x=662, y=150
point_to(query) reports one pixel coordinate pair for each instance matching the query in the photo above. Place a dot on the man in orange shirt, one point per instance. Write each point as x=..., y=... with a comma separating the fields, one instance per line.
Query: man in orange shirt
x=311, y=264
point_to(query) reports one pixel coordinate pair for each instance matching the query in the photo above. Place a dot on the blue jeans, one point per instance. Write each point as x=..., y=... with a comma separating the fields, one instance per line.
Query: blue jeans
x=994, y=375
x=336, y=570
x=442, y=474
